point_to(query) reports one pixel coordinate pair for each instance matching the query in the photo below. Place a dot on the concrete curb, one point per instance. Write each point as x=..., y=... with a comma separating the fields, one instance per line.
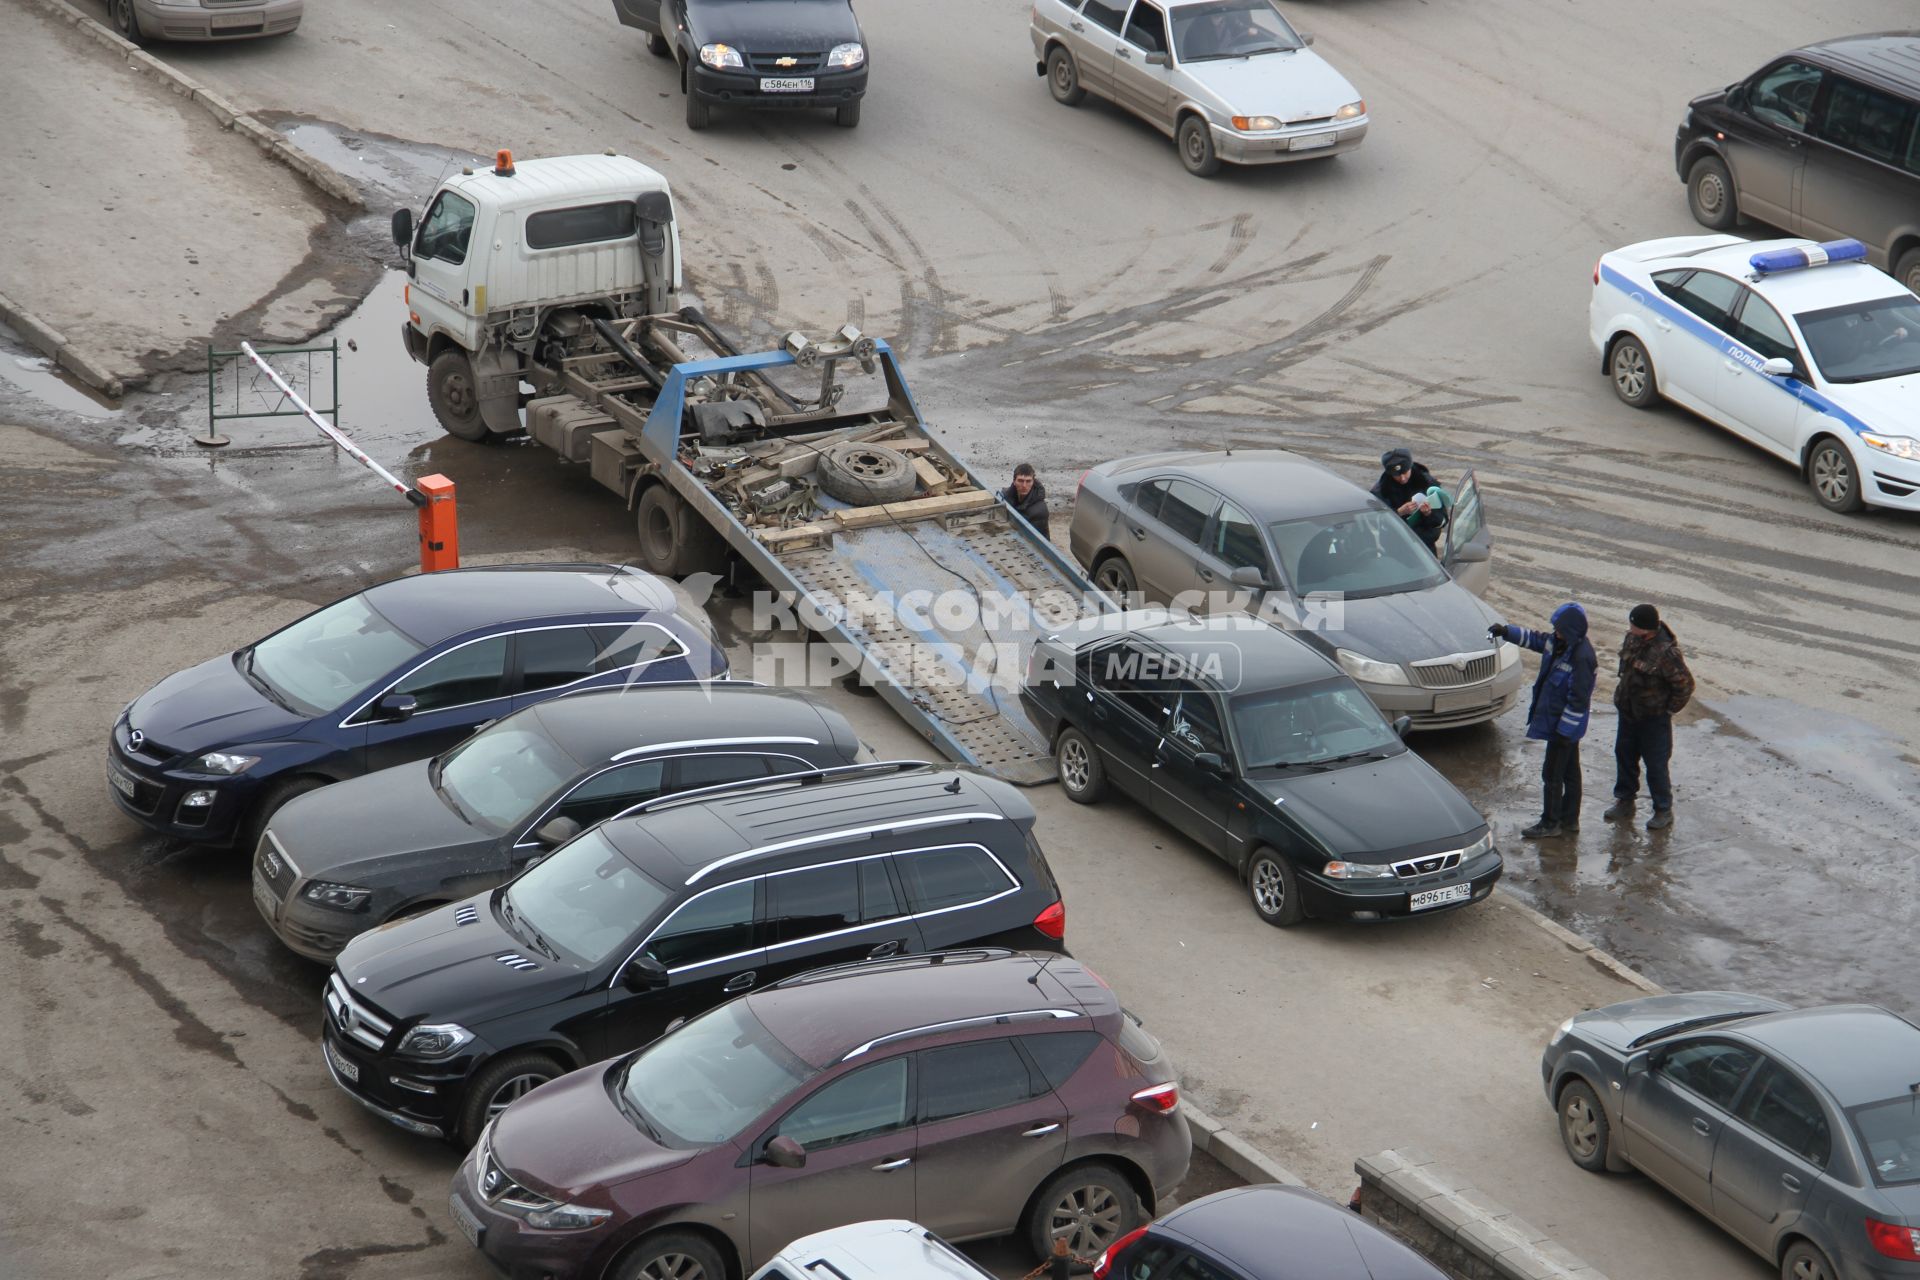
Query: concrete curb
x=1240, y=1157
x=52, y=343
x=1458, y=1227
x=1575, y=943
x=322, y=176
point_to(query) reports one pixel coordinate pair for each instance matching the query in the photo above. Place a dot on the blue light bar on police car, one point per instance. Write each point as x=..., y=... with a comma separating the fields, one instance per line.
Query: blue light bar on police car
x=1813, y=255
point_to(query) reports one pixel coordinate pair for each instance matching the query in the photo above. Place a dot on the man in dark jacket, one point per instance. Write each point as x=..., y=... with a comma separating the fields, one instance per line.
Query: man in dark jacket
x=1401, y=478
x=1557, y=716
x=1029, y=497
x=1654, y=684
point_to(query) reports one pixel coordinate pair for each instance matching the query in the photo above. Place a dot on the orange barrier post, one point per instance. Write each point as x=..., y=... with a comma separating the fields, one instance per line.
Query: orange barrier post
x=439, y=529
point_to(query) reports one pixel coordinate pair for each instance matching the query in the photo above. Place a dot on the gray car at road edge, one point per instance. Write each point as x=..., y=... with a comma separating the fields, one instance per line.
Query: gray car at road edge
x=1796, y=1130
x=1272, y=532
x=1227, y=80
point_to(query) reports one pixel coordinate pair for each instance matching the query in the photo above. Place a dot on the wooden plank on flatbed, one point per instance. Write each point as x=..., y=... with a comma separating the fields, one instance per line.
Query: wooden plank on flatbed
x=931, y=476
x=914, y=509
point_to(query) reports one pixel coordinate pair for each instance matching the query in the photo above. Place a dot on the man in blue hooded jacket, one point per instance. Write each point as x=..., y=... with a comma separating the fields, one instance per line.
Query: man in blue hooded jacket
x=1562, y=693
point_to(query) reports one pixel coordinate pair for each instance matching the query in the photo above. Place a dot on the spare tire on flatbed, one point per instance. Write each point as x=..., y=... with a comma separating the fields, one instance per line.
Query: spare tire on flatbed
x=866, y=475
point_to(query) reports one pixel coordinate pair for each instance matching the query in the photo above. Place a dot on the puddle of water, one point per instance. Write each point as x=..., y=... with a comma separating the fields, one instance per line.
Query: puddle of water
x=404, y=172
x=40, y=378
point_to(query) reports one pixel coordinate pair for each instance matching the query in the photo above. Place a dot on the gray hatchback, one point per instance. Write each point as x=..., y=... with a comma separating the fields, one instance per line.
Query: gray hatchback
x=339, y=861
x=1797, y=1130
x=1274, y=533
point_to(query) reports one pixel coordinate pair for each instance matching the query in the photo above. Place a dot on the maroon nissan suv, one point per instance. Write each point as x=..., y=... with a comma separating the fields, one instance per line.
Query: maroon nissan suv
x=977, y=1092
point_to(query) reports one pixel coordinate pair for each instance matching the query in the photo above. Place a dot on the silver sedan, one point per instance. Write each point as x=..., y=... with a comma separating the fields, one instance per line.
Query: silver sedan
x=1272, y=533
x=1227, y=80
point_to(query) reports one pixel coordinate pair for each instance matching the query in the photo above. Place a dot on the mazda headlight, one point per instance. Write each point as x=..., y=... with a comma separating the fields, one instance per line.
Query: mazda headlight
x=1560, y=1033
x=1352, y=111
x=1358, y=871
x=434, y=1040
x=1899, y=446
x=845, y=57
x=720, y=56
x=567, y=1217
x=228, y=762
x=1509, y=654
x=1369, y=671
x=341, y=897
x=1256, y=124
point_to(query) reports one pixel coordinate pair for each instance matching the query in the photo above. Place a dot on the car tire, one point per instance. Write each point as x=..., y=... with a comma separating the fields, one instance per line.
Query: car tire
x=657, y=46
x=1834, y=478
x=454, y=397
x=271, y=801
x=1082, y=776
x=847, y=115
x=866, y=475
x=1710, y=194
x=497, y=1085
x=126, y=20
x=1114, y=576
x=1091, y=1204
x=674, y=540
x=1063, y=78
x=1274, y=890
x=699, y=114
x=672, y=1255
x=1806, y=1261
x=1907, y=269
x=1584, y=1131
x=1630, y=370
x=1195, y=142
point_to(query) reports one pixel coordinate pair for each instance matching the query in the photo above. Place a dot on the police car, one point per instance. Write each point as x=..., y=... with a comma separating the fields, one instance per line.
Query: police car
x=1800, y=348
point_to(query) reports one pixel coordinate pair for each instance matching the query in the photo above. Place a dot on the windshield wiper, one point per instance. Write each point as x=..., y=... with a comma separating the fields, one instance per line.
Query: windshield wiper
x=446, y=796
x=631, y=1109
x=260, y=682
x=1690, y=1023
x=1375, y=754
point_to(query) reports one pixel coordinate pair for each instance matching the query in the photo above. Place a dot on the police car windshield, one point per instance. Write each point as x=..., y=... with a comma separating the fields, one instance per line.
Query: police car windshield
x=1231, y=29
x=1358, y=554
x=1864, y=341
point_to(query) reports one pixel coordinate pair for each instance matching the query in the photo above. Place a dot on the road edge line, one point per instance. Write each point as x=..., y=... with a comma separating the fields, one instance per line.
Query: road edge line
x=1574, y=942
x=322, y=176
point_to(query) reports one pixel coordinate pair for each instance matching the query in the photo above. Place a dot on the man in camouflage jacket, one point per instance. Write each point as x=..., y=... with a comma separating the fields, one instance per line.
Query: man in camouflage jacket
x=1654, y=685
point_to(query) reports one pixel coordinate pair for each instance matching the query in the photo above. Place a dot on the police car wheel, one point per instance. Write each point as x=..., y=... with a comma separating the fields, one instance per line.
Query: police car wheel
x=1835, y=480
x=1710, y=194
x=1630, y=369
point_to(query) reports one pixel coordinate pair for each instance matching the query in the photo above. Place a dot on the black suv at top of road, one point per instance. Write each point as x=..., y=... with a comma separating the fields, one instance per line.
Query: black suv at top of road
x=438, y=1021
x=798, y=53
x=1821, y=142
x=354, y=855
x=1264, y=751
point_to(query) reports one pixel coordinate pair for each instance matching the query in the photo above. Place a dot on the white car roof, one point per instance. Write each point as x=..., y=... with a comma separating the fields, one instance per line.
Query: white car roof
x=1806, y=289
x=560, y=180
x=888, y=1249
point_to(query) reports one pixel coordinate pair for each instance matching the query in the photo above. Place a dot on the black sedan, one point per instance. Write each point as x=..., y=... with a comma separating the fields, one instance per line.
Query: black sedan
x=758, y=54
x=395, y=673
x=348, y=857
x=1795, y=1130
x=1268, y=1232
x=1266, y=752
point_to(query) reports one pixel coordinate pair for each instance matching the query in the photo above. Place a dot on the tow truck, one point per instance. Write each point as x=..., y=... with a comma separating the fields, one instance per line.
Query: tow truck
x=563, y=275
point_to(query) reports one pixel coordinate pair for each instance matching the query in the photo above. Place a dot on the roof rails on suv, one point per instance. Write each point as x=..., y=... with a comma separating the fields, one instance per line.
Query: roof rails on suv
x=775, y=782
x=916, y=959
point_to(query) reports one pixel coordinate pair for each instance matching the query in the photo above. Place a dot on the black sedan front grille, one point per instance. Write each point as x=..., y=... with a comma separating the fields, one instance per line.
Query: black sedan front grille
x=786, y=64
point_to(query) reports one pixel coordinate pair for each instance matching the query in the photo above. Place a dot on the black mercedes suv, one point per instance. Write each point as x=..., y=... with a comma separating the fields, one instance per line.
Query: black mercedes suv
x=438, y=1021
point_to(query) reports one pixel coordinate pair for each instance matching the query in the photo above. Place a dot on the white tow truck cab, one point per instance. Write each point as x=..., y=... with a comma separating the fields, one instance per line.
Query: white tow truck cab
x=511, y=265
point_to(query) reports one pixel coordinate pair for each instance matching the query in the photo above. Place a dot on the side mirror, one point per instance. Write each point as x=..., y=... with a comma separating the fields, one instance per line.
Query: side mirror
x=784, y=1153
x=556, y=832
x=1156, y=59
x=1247, y=576
x=1642, y=1062
x=1472, y=554
x=1211, y=762
x=395, y=707
x=403, y=227
x=1403, y=725
x=1737, y=97
x=1306, y=38
x=1778, y=367
x=643, y=973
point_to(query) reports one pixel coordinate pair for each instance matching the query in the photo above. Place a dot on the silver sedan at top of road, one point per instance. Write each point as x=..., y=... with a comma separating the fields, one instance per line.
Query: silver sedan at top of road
x=1227, y=80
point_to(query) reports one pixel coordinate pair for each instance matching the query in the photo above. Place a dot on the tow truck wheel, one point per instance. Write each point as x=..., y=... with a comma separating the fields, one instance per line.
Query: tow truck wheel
x=674, y=541
x=657, y=45
x=450, y=391
x=1835, y=480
